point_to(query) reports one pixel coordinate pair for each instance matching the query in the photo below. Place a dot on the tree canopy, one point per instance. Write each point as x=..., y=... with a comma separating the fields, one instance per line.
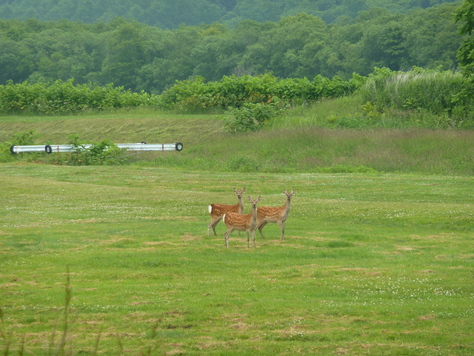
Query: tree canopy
x=465, y=15
x=138, y=56
x=170, y=14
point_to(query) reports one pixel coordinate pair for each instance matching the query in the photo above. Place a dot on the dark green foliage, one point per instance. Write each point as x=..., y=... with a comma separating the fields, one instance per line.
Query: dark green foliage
x=234, y=92
x=465, y=54
x=297, y=44
x=173, y=13
x=465, y=15
x=66, y=97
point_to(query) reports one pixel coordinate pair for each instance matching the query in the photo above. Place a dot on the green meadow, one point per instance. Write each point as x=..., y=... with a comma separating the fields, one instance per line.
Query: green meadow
x=378, y=256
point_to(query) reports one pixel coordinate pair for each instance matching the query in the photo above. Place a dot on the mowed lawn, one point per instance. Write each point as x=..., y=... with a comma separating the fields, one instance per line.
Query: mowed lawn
x=379, y=264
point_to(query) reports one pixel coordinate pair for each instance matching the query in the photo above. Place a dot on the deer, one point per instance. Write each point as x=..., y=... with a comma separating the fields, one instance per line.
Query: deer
x=217, y=211
x=241, y=222
x=278, y=215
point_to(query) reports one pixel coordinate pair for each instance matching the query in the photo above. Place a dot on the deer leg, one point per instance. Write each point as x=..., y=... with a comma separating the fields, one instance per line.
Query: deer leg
x=253, y=235
x=213, y=224
x=209, y=230
x=282, y=227
x=226, y=237
x=248, y=238
x=260, y=228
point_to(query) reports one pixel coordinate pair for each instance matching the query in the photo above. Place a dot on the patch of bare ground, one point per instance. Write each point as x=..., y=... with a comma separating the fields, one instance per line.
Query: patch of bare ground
x=363, y=271
x=209, y=343
x=427, y=271
x=240, y=326
x=189, y=237
x=433, y=237
x=235, y=318
x=427, y=317
x=154, y=243
x=405, y=249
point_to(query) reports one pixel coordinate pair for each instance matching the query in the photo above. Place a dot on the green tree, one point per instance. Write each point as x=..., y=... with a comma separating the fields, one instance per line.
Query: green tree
x=258, y=10
x=384, y=45
x=431, y=38
x=465, y=15
x=16, y=61
x=288, y=48
x=169, y=59
x=125, y=55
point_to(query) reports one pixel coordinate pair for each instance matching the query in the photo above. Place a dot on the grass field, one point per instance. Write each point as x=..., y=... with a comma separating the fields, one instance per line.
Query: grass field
x=374, y=263
x=104, y=260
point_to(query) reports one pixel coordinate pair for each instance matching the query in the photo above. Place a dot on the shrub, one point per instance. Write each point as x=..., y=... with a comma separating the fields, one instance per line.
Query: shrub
x=251, y=117
x=232, y=91
x=101, y=153
x=65, y=97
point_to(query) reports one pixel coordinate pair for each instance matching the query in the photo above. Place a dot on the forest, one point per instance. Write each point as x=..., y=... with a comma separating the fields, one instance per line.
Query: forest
x=117, y=43
x=169, y=14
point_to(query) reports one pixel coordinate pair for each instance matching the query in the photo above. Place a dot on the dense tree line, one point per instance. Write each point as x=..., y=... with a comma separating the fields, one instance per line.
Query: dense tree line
x=139, y=57
x=173, y=13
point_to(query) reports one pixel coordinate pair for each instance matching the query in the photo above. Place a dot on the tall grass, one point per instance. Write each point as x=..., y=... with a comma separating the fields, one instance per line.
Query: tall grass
x=432, y=93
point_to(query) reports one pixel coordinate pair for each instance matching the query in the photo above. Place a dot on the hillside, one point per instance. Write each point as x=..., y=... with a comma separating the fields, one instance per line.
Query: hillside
x=172, y=13
x=118, y=127
x=143, y=57
x=299, y=148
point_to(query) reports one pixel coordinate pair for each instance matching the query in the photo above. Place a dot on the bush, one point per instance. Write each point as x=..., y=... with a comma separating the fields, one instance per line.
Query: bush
x=251, y=117
x=232, y=91
x=102, y=153
x=64, y=97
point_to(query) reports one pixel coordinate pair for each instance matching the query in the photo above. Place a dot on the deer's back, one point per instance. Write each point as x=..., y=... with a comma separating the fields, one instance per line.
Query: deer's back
x=238, y=221
x=221, y=209
x=270, y=214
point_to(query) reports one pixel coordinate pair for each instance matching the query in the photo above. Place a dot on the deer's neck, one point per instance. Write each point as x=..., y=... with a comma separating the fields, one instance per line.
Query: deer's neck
x=253, y=218
x=240, y=203
x=286, y=208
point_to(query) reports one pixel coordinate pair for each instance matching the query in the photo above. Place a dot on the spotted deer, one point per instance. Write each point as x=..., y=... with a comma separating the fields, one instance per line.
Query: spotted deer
x=217, y=211
x=241, y=222
x=278, y=215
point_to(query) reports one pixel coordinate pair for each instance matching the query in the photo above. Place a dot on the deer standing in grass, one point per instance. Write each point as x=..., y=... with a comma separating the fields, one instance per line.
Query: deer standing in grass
x=241, y=222
x=278, y=215
x=217, y=211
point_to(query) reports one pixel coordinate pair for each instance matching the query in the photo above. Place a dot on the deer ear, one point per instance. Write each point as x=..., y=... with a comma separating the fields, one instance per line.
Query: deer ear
x=243, y=190
x=250, y=199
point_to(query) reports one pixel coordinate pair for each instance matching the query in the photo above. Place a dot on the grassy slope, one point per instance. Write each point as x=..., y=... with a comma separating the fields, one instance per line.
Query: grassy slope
x=297, y=143
x=134, y=126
